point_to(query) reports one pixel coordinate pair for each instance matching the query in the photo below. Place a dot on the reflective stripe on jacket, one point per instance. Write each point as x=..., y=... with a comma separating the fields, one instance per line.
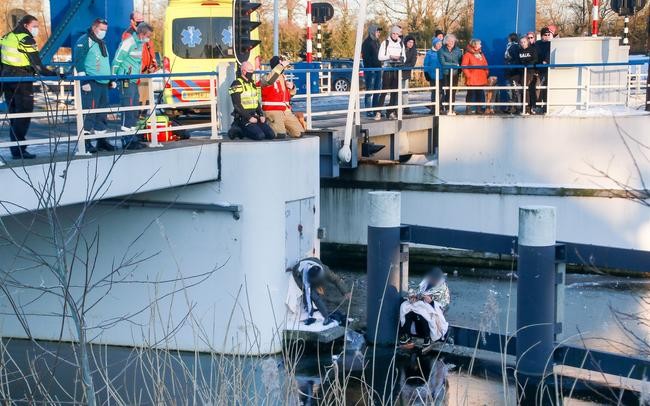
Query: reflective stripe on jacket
x=247, y=92
x=14, y=52
x=276, y=96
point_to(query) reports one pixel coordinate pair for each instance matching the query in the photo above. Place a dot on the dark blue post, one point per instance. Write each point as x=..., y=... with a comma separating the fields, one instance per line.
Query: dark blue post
x=535, y=300
x=384, y=279
x=495, y=19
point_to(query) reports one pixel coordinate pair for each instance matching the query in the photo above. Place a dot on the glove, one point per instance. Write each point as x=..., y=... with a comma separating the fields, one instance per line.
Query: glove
x=112, y=84
x=86, y=87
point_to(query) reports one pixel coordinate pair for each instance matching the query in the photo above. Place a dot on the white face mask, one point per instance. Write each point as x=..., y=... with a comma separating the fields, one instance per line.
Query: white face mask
x=146, y=39
x=101, y=34
x=34, y=31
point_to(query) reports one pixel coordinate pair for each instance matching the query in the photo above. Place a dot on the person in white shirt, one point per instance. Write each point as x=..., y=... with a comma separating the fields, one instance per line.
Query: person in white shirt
x=392, y=55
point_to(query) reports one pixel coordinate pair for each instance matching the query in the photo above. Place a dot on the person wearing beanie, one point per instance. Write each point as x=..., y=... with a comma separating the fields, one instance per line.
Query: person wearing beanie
x=276, y=100
x=411, y=54
x=432, y=72
x=392, y=55
x=369, y=53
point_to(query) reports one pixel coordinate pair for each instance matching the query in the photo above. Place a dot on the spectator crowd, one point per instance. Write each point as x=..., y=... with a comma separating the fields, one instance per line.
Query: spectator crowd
x=444, y=65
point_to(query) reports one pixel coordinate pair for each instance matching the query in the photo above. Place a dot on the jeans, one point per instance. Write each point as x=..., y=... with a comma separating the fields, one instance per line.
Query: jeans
x=96, y=98
x=475, y=96
x=373, y=82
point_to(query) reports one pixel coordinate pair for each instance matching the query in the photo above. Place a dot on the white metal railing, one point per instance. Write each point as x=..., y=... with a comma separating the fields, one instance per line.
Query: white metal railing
x=77, y=112
x=634, y=85
x=633, y=90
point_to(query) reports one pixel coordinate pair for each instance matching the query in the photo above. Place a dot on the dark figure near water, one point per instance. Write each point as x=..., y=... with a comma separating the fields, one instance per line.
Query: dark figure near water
x=313, y=277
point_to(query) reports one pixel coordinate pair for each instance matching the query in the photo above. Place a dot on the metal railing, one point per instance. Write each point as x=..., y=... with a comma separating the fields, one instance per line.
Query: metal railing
x=76, y=111
x=634, y=86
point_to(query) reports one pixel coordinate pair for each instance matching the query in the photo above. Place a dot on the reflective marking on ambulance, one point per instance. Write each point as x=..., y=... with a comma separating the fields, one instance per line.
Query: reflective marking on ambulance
x=190, y=90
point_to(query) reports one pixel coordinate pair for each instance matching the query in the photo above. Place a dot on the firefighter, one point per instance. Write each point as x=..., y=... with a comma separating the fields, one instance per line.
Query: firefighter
x=19, y=59
x=276, y=99
x=247, y=109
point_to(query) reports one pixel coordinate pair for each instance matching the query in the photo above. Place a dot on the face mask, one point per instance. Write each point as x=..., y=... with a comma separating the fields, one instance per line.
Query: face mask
x=146, y=40
x=34, y=31
x=101, y=34
x=249, y=75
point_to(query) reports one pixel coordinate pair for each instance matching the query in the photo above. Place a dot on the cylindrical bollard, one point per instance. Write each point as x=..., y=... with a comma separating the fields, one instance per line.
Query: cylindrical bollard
x=384, y=281
x=535, y=297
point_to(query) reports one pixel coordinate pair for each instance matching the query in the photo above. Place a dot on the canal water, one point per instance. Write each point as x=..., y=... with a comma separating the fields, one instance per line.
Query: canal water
x=45, y=373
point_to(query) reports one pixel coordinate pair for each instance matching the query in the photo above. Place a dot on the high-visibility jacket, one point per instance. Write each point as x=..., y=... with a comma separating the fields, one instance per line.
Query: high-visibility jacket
x=14, y=51
x=276, y=96
x=247, y=92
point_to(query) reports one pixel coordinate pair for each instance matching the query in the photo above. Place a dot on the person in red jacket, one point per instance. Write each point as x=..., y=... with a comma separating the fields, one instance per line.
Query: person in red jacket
x=475, y=77
x=276, y=100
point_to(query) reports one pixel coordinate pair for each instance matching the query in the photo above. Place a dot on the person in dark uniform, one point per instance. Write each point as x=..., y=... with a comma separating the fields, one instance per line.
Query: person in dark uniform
x=249, y=117
x=20, y=58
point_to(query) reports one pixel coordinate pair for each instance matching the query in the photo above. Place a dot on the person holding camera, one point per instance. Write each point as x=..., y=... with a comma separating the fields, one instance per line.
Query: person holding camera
x=276, y=100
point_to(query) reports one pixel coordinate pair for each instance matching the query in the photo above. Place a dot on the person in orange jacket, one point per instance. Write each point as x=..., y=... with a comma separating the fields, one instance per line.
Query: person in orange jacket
x=149, y=64
x=276, y=100
x=475, y=77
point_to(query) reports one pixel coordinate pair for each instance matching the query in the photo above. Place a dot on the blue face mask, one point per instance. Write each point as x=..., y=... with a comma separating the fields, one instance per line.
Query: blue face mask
x=34, y=31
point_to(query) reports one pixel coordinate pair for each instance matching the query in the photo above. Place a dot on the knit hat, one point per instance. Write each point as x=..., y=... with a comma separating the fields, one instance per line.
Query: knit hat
x=435, y=41
x=546, y=30
x=396, y=30
x=438, y=32
x=274, y=61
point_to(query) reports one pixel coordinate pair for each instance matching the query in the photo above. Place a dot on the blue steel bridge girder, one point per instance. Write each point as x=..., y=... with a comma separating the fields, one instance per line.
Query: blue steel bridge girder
x=495, y=19
x=71, y=18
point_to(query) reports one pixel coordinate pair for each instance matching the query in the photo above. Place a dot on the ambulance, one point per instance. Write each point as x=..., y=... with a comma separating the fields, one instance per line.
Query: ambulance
x=198, y=36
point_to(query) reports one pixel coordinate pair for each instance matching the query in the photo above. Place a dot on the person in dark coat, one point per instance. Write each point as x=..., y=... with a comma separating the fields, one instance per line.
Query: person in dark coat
x=527, y=56
x=369, y=53
x=450, y=55
x=313, y=277
x=510, y=58
x=543, y=58
x=411, y=53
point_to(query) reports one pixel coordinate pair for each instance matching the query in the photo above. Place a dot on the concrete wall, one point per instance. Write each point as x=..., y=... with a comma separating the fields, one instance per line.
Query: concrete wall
x=544, y=151
x=191, y=279
x=600, y=221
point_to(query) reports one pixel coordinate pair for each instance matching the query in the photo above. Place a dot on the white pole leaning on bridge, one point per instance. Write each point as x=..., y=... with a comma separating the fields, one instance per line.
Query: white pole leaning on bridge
x=345, y=153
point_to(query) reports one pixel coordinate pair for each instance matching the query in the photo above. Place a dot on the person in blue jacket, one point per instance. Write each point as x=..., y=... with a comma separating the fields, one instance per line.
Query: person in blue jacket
x=91, y=59
x=432, y=68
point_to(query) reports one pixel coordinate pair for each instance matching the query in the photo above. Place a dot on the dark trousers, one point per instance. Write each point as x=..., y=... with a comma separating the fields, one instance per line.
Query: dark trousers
x=257, y=131
x=475, y=96
x=421, y=325
x=19, y=97
x=432, y=83
x=531, y=83
x=318, y=302
x=373, y=82
x=96, y=98
x=449, y=95
x=388, y=81
x=129, y=97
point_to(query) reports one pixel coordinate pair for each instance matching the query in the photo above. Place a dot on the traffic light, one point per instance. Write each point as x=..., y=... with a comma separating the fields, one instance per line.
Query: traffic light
x=627, y=7
x=321, y=12
x=242, y=25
